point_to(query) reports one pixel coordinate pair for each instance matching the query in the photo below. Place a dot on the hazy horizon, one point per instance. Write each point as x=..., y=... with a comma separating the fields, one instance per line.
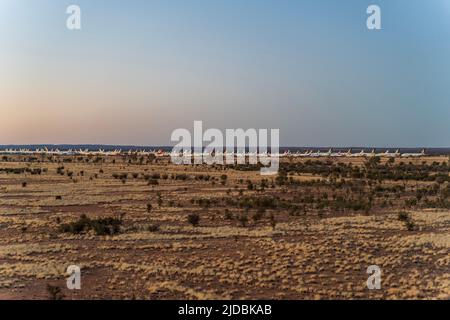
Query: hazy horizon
x=312, y=147
x=138, y=70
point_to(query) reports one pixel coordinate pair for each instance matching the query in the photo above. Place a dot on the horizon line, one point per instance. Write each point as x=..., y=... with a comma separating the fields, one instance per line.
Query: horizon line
x=170, y=146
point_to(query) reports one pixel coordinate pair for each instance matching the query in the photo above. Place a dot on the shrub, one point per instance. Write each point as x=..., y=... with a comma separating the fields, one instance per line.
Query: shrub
x=101, y=226
x=54, y=292
x=273, y=221
x=106, y=226
x=403, y=216
x=243, y=219
x=406, y=218
x=410, y=225
x=156, y=176
x=228, y=215
x=153, y=228
x=257, y=216
x=76, y=227
x=60, y=170
x=194, y=219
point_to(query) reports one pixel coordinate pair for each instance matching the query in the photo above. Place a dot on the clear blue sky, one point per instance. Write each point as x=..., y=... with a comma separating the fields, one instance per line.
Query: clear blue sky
x=139, y=69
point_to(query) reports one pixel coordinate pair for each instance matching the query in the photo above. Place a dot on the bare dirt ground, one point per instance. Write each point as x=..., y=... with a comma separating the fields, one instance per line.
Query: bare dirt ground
x=301, y=239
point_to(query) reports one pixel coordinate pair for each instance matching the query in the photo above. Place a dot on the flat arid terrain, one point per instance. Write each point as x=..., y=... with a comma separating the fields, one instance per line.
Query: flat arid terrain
x=142, y=228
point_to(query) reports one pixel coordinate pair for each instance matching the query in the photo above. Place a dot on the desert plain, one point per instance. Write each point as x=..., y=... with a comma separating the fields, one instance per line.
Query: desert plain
x=143, y=228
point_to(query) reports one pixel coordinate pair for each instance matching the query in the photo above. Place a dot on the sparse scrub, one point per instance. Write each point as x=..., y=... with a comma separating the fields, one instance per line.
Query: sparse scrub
x=101, y=226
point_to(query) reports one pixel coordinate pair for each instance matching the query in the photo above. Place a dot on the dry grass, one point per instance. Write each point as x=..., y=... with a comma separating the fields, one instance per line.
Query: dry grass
x=303, y=257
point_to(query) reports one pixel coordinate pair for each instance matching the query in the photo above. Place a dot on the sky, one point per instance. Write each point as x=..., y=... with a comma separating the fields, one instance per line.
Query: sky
x=139, y=69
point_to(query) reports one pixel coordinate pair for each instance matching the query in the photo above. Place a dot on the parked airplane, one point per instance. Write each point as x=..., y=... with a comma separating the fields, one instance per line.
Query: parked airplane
x=360, y=154
x=370, y=154
x=337, y=154
x=393, y=155
x=382, y=154
x=303, y=155
x=414, y=155
x=161, y=153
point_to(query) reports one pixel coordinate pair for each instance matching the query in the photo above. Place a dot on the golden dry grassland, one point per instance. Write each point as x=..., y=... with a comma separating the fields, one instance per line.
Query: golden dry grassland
x=235, y=252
